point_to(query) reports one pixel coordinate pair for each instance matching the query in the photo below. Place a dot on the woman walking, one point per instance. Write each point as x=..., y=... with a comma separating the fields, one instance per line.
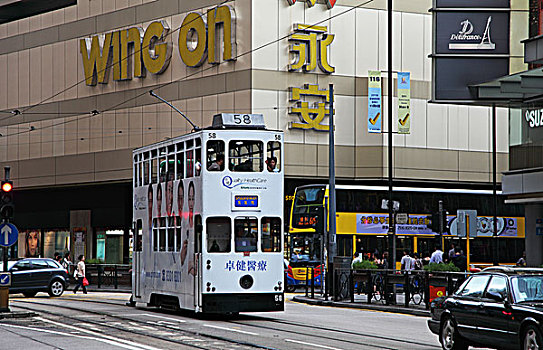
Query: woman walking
x=80, y=274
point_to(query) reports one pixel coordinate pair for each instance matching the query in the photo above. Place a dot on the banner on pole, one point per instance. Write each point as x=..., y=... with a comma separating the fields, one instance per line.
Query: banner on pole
x=374, y=101
x=404, y=103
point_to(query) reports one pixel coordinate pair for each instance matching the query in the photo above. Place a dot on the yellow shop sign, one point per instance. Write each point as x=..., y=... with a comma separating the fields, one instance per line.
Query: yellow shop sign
x=133, y=51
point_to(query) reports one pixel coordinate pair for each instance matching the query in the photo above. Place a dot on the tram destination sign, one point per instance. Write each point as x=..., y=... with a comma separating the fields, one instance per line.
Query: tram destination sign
x=238, y=120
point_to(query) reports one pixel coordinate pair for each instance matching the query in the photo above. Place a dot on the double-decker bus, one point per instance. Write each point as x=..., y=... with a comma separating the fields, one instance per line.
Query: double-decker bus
x=362, y=224
x=207, y=216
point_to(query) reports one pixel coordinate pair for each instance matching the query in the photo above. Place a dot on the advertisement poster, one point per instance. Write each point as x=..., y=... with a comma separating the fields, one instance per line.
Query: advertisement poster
x=374, y=101
x=404, y=103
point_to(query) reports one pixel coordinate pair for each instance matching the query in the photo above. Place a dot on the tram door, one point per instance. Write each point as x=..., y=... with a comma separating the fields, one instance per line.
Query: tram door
x=198, y=228
x=136, y=257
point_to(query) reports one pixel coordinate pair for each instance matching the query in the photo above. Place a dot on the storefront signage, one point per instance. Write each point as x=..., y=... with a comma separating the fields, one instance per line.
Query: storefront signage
x=309, y=47
x=534, y=117
x=471, y=46
x=311, y=3
x=374, y=102
x=404, y=103
x=310, y=117
x=132, y=52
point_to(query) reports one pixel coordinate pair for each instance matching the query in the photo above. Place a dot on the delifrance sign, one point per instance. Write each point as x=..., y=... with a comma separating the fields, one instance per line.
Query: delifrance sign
x=465, y=39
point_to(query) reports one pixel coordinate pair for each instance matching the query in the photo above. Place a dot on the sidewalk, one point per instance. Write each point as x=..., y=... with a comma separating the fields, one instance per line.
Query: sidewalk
x=103, y=288
x=360, y=302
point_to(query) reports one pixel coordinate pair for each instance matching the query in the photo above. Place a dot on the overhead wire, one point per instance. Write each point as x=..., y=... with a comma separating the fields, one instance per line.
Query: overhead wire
x=195, y=73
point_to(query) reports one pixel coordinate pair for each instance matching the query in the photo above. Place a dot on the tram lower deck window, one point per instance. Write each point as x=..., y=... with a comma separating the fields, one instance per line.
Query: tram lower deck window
x=246, y=230
x=219, y=234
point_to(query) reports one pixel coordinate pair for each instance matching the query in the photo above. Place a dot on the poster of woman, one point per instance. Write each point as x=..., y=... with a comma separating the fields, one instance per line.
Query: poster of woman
x=32, y=244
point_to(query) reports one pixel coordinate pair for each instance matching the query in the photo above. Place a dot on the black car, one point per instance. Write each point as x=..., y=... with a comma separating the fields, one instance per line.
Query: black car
x=32, y=275
x=500, y=307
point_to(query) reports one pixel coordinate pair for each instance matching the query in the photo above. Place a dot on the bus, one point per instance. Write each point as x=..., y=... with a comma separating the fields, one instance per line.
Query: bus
x=362, y=224
x=207, y=215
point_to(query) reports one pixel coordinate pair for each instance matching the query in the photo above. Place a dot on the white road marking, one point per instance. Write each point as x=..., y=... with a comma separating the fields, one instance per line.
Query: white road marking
x=229, y=329
x=129, y=344
x=107, y=341
x=163, y=317
x=310, y=344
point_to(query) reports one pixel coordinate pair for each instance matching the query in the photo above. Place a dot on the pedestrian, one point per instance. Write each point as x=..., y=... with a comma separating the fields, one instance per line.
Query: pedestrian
x=460, y=260
x=66, y=262
x=80, y=274
x=407, y=261
x=522, y=260
x=452, y=253
x=437, y=256
x=417, y=262
x=357, y=259
x=384, y=261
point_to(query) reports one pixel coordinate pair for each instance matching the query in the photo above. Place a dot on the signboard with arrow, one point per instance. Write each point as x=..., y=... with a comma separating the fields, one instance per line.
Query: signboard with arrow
x=8, y=234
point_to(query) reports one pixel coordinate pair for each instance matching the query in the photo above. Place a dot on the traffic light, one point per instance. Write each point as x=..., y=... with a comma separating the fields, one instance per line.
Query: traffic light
x=6, y=200
x=445, y=222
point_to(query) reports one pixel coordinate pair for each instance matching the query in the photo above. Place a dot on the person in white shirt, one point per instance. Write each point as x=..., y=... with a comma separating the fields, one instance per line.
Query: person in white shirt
x=80, y=273
x=437, y=256
x=357, y=258
x=407, y=261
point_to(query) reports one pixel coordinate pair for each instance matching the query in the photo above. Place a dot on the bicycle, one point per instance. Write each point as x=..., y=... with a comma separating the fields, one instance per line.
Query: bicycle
x=416, y=289
x=379, y=288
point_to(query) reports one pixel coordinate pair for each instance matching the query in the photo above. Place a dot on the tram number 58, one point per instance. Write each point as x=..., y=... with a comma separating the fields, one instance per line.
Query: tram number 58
x=242, y=119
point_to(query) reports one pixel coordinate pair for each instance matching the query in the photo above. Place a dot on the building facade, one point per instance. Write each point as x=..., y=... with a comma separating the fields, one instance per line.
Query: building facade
x=75, y=102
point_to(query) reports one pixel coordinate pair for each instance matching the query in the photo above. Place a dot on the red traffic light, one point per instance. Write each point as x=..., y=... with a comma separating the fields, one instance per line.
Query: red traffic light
x=7, y=186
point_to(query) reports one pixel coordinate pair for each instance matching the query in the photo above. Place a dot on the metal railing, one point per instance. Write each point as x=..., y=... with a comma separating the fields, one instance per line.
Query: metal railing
x=109, y=274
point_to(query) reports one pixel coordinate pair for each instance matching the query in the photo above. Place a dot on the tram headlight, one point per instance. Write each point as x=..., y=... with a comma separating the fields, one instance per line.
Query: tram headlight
x=246, y=281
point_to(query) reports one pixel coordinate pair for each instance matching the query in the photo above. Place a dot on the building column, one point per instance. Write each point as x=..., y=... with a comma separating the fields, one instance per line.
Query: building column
x=534, y=242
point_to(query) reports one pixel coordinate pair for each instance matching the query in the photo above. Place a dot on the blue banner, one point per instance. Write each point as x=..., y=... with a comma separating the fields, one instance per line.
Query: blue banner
x=374, y=102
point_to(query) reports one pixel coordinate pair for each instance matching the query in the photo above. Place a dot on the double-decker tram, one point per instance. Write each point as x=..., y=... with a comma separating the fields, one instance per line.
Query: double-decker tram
x=207, y=213
x=362, y=223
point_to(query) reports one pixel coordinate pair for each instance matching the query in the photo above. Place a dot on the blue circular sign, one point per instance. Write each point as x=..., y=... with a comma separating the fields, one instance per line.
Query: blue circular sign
x=8, y=234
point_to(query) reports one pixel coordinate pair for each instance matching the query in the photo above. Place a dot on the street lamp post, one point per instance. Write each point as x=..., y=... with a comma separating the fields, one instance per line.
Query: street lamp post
x=391, y=230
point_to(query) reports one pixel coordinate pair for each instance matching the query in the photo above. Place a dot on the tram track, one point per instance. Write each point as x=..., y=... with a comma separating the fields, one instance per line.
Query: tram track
x=138, y=324
x=312, y=328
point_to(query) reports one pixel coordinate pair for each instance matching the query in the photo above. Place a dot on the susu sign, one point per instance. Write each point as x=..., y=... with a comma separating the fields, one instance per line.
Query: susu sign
x=133, y=51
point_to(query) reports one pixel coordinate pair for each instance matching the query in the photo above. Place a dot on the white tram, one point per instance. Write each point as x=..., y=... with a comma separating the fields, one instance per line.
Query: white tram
x=207, y=217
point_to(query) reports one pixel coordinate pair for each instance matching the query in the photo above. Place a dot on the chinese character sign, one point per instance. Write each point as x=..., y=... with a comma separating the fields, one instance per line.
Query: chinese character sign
x=404, y=103
x=374, y=101
x=311, y=117
x=249, y=265
x=310, y=48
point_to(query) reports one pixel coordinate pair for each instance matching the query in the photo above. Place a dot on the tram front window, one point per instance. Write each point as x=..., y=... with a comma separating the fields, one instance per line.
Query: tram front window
x=246, y=156
x=219, y=233
x=246, y=229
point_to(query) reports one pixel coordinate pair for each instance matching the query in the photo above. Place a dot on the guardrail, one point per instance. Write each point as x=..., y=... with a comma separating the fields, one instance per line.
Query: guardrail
x=109, y=274
x=391, y=287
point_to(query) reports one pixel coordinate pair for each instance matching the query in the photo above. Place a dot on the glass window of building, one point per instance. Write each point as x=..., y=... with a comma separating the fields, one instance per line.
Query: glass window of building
x=246, y=234
x=273, y=157
x=219, y=234
x=271, y=234
x=246, y=156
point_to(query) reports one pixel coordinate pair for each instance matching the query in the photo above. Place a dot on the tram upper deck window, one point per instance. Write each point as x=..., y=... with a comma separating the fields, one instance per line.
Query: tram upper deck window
x=246, y=229
x=215, y=155
x=219, y=233
x=271, y=235
x=146, y=165
x=246, y=156
x=273, y=157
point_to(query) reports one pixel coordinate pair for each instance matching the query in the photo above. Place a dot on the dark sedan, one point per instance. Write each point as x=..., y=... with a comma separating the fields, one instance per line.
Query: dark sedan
x=32, y=275
x=499, y=307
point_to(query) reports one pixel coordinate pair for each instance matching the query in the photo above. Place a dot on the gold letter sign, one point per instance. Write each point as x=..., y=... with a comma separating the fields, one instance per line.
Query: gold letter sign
x=310, y=47
x=311, y=118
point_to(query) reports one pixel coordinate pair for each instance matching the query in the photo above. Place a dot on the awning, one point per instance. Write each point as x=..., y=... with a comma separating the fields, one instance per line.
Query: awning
x=516, y=90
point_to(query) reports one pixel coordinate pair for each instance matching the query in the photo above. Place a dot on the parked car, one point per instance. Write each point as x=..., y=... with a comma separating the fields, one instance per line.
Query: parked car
x=32, y=275
x=499, y=307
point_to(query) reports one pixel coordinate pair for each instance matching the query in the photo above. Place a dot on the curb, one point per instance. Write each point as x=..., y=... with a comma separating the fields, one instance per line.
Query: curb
x=363, y=306
x=17, y=314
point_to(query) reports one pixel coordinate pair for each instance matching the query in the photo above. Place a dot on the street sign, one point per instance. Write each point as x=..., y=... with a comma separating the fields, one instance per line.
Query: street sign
x=402, y=218
x=5, y=279
x=8, y=234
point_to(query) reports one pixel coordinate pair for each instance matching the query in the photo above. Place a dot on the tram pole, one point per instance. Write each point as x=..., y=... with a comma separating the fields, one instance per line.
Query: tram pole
x=331, y=188
x=495, y=259
x=391, y=223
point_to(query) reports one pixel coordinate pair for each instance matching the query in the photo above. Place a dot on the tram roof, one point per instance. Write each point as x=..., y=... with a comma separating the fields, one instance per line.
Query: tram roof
x=407, y=189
